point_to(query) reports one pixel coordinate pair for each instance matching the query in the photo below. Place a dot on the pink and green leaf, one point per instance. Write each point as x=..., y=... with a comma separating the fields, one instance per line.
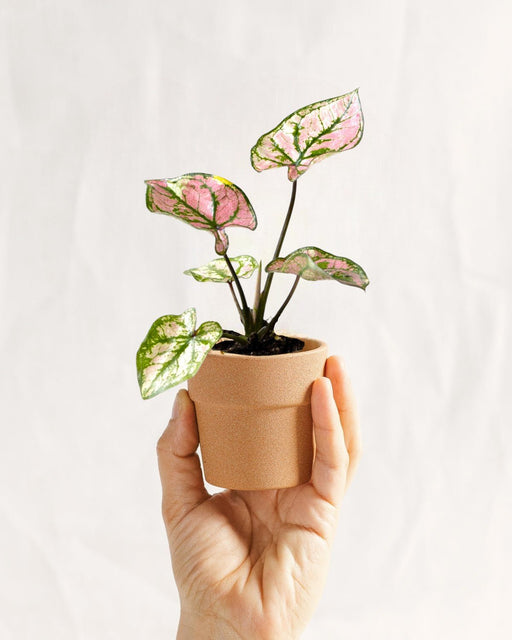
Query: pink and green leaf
x=173, y=351
x=204, y=201
x=218, y=271
x=311, y=134
x=312, y=263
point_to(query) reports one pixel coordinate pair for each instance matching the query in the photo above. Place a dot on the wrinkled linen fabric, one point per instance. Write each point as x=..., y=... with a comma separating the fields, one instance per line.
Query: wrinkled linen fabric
x=97, y=97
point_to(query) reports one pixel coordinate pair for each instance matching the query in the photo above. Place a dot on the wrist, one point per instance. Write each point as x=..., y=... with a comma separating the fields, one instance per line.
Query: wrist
x=193, y=626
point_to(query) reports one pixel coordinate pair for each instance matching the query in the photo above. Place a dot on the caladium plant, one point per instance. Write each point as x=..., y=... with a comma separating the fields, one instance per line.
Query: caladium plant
x=174, y=347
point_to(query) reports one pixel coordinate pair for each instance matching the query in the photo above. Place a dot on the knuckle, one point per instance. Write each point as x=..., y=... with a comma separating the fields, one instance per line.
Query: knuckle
x=163, y=444
x=355, y=453
x=344, y=460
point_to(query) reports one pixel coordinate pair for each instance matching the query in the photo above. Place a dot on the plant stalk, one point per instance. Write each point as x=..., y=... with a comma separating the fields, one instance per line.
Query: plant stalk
x=245, y=308
x=272, y=323
x=233, y=335
x=257, y=293
x=236, y=301
x=263, y=299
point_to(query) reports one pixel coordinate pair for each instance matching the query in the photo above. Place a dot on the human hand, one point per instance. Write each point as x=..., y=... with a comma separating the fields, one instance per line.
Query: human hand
x=252, y=564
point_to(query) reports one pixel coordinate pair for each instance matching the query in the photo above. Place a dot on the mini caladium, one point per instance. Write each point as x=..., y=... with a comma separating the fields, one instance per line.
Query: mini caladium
x=312, y=263
x=311, y=134
x=173, y=351
x=204, y=201
x=218, y=271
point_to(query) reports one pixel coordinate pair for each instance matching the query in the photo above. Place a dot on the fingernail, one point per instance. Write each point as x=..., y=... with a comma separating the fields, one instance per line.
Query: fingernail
x=178, y=404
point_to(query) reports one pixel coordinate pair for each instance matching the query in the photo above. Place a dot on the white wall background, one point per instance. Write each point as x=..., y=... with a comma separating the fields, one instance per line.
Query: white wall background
x=95, y=97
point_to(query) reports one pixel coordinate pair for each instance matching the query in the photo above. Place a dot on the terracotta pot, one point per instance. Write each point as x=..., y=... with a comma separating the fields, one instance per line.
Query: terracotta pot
x=254, y=417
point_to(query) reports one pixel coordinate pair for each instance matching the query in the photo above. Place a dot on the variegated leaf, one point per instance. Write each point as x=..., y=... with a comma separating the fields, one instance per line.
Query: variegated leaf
x=218, y=271
x=312, y=263
x=311, y=134
x=204, y=201
x=173, y=351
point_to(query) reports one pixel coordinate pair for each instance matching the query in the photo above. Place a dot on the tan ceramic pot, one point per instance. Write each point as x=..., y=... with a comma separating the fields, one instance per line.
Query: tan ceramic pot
x=254, y=417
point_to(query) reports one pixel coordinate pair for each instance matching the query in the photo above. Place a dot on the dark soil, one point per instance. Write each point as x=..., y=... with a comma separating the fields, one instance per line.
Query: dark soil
x=272, y=346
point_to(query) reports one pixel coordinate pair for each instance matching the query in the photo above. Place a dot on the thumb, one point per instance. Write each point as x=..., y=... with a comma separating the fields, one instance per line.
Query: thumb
x=178, y=463
x=331, y=458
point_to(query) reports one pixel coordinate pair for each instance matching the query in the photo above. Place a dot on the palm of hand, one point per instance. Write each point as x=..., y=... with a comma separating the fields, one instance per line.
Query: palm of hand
x=252, y=557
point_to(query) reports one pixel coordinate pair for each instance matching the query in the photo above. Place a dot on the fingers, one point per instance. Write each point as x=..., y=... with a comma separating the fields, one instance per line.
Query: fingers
x=178, y=463
x=331, y=456
x=346, y=404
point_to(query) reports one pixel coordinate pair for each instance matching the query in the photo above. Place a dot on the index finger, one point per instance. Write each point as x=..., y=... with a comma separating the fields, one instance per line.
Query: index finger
x=180, y=470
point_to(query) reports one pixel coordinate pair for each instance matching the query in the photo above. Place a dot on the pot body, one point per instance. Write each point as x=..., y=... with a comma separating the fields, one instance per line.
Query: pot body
x=254, y=417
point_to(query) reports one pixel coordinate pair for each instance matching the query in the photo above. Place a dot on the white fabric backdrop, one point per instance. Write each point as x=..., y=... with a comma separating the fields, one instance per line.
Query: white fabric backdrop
x=96, y=97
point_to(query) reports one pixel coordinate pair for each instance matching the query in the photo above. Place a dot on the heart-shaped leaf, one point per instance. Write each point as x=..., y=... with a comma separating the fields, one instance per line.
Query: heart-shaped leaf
x=204, y=201
x=173, y=351
x=311, y=134
x=218, y=271
x=312, y=263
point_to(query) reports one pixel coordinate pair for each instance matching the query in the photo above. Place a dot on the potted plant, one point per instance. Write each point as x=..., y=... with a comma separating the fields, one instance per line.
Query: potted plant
x=251, y=388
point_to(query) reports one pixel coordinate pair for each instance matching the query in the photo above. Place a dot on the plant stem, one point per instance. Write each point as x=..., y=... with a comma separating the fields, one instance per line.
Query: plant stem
x=286, y=222
x=236, y=301
x=245, y=308
x=233, y=335
x=257, y=293
x=272, y=323
x=263, y=299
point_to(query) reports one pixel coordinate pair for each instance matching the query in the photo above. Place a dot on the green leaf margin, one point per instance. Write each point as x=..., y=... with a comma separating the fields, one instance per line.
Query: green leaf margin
x=175, y=343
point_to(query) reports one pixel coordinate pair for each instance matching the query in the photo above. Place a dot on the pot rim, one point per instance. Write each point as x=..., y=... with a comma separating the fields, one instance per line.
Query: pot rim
x=320, y=345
